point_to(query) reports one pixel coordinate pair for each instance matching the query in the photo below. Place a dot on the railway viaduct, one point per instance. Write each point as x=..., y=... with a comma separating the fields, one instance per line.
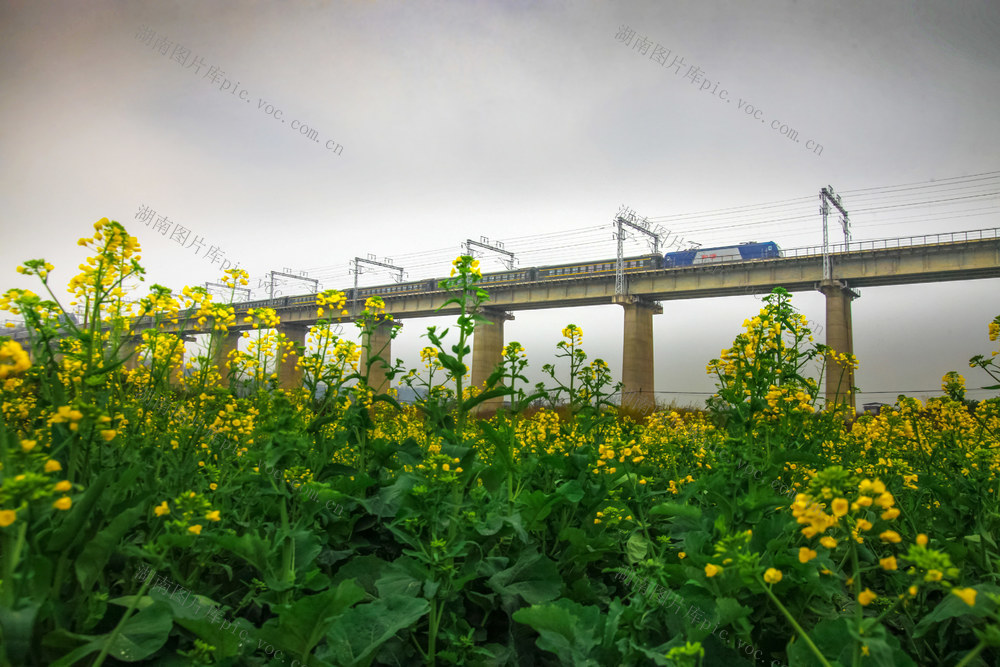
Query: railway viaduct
x=859, y=264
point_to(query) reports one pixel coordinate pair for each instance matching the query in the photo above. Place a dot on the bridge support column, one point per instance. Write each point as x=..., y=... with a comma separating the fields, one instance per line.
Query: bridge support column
x=637, y=352
x=840, y=337
x=290, y=377
x=230, y=342
x=487, y=350
x=381, y=346
x=130, y=352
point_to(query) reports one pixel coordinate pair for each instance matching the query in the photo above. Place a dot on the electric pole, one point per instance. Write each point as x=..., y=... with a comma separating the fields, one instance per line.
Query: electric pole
x=357, y=270
x=828, y=197
x=626, y=217
x=315, y=283
x=484, y=243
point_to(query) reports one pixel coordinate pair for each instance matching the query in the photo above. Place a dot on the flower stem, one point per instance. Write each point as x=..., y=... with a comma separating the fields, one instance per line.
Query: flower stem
x=795, y=624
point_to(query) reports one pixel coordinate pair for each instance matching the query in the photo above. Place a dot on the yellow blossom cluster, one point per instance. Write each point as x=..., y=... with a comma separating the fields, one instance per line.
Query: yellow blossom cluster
x=13, y=359
x=188, y=508
x=819, y=516
x=103, y=274
x=233, y=277
x=12, y=299
x=573, y=335
x=237, y=425
x=334, y=300
x=466, y=260
x=784, y=399
x=21, y=490
x=334, y=358
x=200, y=301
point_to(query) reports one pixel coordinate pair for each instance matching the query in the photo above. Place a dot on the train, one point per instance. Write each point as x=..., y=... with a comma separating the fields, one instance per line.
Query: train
x=650, y=262
x=737, y=253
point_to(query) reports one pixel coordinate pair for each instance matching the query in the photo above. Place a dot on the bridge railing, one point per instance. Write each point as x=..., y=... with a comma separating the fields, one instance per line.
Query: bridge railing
x=900, y=242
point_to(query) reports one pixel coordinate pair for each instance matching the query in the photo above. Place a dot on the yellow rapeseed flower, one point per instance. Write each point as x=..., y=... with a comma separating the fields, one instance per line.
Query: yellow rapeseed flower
x=213, y=516
x=922, y=540
x=828, y=542
x=968, y=595
x=162, y=509
x=63, y=503
x=13, y=359
x=890, y=536
x=7, y=517
x=888, y=563
x=52, y=466
x=839, y=507
x=28, y=445
x=63, y=486
x=866, y=597
x=806, y=554
x=772, y=576
x=196, y=529
x=712, y=570
x=109, y=434
x=885, y=501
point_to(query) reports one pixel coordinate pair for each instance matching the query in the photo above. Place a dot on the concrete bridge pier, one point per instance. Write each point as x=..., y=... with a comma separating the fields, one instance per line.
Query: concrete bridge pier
x=381, y=346
x=637, y=353
x=130, y=352
x=487, y=350
x=230, y=342
x=290, y=377
x=840, y=337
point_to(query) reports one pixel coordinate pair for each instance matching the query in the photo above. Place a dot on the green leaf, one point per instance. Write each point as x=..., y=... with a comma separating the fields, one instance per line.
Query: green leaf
x=64, y=535
x=18, y=628
x=565, y=628
x=676, y=509
x=571, y=491
x=91, y=562
x=303, y=624
x=534, y=578
x=361, y=630
x=636, y=548
x=364, y=570
x=386, y=398
x=534, y=507
x=142, y=635
x=952, y=606
x=186, y=611
x=833, y=639
x=250, y=548
x=387, y=501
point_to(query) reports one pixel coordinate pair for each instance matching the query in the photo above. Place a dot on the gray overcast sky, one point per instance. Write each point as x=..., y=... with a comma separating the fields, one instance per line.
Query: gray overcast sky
x=509, y=120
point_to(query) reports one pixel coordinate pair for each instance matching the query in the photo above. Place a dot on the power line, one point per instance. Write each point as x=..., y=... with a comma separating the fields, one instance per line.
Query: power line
x=783, y=219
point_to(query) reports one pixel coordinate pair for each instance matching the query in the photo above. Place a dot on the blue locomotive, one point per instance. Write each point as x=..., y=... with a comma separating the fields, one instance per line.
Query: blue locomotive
x=732, y=253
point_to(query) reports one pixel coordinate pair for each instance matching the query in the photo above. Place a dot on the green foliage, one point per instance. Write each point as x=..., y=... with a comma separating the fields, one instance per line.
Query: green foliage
x=341, y=528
